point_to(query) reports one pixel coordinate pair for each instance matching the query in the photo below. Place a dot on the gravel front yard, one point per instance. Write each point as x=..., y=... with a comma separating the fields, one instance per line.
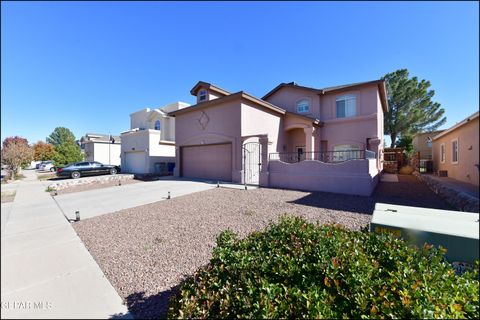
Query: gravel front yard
x=147, y=250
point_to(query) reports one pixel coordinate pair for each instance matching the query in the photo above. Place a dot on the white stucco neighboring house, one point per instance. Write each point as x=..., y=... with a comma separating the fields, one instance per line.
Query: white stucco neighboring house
x=104, y=148
x=149, y=145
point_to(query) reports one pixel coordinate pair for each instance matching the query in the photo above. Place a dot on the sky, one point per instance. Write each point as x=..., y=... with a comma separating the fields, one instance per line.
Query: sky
x=88, y=65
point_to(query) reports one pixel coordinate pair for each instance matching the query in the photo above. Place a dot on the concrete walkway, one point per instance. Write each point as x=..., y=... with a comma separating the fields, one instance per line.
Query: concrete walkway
x=389, y=177
x=46, y=270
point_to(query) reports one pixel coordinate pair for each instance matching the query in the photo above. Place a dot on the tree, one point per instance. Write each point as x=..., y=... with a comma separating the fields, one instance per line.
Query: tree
x=411, y=109
x=66, y=148
x=67, y=153
x=43, y=151
x=61, y=135
x=16, y=153
x=406, y=142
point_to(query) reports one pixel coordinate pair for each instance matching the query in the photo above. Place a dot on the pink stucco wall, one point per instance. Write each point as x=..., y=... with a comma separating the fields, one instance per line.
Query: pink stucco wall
x=356, y=177
x=465, y=169
x=294, y=138
x=287, y=98
x=256, y=121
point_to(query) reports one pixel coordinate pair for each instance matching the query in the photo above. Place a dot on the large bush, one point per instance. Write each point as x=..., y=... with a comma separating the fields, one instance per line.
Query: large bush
x=301, y=270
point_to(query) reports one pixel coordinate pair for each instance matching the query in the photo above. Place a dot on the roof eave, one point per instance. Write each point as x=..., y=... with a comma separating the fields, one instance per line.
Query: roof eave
x=456, y=126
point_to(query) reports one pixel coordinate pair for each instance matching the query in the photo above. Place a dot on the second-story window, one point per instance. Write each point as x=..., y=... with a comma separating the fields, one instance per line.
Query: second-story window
x=202, y=95
x=157, y=125
x=303, y=106
x=346, y=106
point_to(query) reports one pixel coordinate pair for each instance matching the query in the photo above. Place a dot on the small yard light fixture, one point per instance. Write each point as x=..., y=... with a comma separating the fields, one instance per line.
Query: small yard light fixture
x=77, y=215
x=168, y=197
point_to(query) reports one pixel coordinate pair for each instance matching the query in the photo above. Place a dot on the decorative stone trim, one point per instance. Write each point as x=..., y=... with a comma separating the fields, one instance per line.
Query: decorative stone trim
x=89, y=180
x=458, y=200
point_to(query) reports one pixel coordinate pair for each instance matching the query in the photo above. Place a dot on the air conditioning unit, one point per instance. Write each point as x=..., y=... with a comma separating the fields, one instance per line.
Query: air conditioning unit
x=456, y=231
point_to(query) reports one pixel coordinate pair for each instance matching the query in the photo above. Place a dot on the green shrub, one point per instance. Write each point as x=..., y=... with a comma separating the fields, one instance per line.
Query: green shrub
x=300, y=270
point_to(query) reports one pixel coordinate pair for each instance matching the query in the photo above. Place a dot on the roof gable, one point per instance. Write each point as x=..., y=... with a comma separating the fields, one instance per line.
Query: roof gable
x=208, y=86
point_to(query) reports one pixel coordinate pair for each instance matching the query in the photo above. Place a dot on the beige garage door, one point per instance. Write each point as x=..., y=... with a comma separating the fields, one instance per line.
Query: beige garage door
x=208, y=162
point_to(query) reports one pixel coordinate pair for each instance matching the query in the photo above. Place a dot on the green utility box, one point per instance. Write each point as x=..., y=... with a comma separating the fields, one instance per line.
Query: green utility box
x=456, y=231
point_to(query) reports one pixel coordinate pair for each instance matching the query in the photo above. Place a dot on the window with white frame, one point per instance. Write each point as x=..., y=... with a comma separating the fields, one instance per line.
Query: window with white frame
x=202, y=95
x=442, y=153
x=455, y=151
x=346, y=106
x=303, y=106
x=157, y=125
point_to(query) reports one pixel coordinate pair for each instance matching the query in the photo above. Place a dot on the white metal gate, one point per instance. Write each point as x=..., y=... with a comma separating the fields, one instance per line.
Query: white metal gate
x=252, y=161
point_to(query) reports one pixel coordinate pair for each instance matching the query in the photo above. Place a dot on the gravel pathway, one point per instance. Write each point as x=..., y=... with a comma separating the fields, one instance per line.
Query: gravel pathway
x=147, y=250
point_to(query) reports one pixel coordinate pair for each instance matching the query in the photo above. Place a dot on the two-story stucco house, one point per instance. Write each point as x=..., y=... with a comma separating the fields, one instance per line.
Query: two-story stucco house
x=238, y=137
x=149, y=145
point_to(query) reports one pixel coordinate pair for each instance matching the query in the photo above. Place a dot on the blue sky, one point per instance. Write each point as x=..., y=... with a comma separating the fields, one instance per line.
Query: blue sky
x=88, y=65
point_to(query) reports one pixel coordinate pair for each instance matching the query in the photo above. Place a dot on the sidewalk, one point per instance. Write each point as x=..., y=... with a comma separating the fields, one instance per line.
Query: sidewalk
x=46, y=270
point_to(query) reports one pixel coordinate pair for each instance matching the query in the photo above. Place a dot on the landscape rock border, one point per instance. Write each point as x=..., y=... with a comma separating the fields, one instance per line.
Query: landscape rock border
x=459, y=200
x=64, y=184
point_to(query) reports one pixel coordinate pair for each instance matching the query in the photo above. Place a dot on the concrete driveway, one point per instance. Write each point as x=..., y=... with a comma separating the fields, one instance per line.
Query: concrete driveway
x=96, y=202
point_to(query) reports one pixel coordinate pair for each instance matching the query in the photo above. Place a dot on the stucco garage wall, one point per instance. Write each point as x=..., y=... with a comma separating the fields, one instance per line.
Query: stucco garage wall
x=102, y=150
x=356, y=177
x=216, y=124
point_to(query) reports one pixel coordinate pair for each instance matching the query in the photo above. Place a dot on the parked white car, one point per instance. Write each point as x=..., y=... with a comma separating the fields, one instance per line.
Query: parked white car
x=47, y=166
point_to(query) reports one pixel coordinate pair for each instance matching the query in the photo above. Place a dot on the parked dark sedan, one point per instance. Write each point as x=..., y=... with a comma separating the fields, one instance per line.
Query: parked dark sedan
x=79, y=169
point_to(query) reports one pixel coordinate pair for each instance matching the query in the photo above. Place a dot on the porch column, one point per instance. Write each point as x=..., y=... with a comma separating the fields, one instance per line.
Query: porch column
x=263, y=181
x=309, y=143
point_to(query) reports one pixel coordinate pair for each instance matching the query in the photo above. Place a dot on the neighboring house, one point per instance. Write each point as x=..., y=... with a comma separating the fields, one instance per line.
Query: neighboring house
x=238, y=137
x=149, y=145
x=103, y=148
x=456, y=150
x=422, y=142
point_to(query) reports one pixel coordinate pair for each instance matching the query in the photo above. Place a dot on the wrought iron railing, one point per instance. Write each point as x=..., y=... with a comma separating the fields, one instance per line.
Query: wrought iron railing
x=323, y=156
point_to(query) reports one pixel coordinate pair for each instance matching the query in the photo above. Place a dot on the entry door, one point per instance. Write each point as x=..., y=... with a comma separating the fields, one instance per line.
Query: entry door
x=300, y=153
